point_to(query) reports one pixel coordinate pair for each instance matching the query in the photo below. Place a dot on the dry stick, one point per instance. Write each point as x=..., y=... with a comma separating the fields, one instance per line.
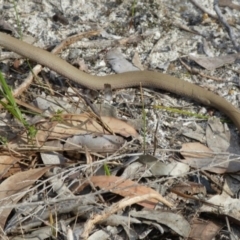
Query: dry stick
x=69, y=234
x=155, y=140
x=186, y=28
x=73, y=39
x=144, y=119
x=35, y=71
x=225, y=24
x=118, y=206
x=229, y=228
x=206, y=11
x=28, y=106
x=46, y=81
x=88, y=103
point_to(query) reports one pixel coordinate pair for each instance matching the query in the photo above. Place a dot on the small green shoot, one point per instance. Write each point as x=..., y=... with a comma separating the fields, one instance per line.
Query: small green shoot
x=183, y=112
x=11, y=106
x=3, y=140
x=17, y=18
x=187, y=113
x=133, y=8
x=58, y=116
x=144, y=117
x=106, y=170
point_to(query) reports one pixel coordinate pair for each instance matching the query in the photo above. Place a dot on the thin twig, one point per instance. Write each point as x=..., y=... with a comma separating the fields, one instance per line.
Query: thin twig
x=226, y=25
x=197, y=71
x=196, y=3
x=118, y=206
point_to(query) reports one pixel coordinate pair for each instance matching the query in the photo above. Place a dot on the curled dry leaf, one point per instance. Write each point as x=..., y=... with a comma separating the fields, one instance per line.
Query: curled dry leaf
x=228, y=207
x=211, y=63
x=39, y=234
x=87, y=124
x=174, y=221
x=199, y=156
x=159, y=168
x=206, y=230
x=15, y=187
x=190, y=188
x=195, y=150
x=218, y=139
x=7, y=162
x=71, y=125
x=137, y=61
x=100, y=144
x=118, y=62
x=126, y=188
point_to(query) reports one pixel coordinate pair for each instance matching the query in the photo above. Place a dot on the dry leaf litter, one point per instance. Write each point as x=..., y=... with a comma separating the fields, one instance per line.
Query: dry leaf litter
x=129, y=163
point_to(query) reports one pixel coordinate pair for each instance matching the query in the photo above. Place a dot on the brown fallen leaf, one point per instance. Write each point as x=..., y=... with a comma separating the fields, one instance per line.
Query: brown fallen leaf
x=206, y=230
x=199, y=156
x=190, y=188
x=88, y=124
x=71, y=125
x=137, y=61
x=127, y=201
x=6, y=163
x=211, y=63
x=14, y=188
x=127, y=188
x=196, y=150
